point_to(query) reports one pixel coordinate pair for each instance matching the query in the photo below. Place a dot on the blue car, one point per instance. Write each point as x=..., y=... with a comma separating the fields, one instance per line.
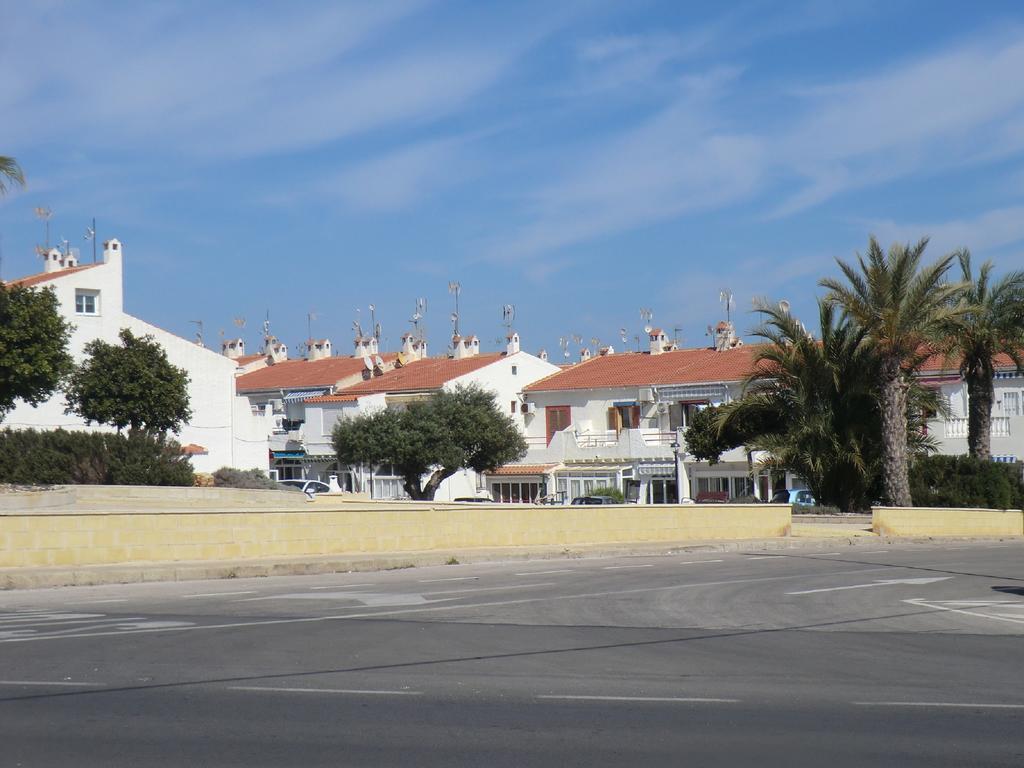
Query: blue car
x=799, y=496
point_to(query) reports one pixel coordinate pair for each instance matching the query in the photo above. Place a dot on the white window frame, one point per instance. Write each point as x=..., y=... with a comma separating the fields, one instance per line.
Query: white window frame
x=83, y=294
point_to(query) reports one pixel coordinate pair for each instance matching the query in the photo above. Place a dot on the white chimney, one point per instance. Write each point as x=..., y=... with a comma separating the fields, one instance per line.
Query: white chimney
x=465, y=346
x=584, y=354
x=275, y=351
x=232, y=348
x=543, y=355
x=365, y=346
x=318, y=349
x=725, y=337
x=658, y=341
x=53, y=260
x=512, y=347
x=112, y=251
x=412, y=348
x=605, y=351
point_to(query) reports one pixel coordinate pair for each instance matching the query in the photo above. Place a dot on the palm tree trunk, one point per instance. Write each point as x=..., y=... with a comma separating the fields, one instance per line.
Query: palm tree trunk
x=980, y=394
x=895, y=472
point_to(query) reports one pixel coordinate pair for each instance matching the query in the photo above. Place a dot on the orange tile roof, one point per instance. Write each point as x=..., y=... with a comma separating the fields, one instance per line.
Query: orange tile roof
x=640, y=369
x=423, y=375
x=332, y=399
x=45, y=277
x=523, y=469
x=194, y=450
x=298, y=374
x=939, y=363
x=246, y=359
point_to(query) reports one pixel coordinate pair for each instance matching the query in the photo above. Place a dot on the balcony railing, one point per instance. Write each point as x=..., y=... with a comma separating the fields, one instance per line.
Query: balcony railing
x=597, y=439
x=655, y=437
x=958, y=427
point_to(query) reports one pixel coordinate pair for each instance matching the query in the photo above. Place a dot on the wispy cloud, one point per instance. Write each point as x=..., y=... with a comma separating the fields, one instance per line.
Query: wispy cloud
x=988, y=231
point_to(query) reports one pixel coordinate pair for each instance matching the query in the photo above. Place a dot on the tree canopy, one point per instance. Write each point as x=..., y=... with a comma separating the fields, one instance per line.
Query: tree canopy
x=129, y=385
x=33, y=346
x=432, y=439
x=10, y=173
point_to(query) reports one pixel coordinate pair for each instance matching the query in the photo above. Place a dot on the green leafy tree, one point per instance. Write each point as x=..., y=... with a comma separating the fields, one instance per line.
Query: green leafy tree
x=10, y=174
x=812, y=404
x=129, y=385
x=966, y=481
x=432, y=439
x=33, y=346
x=900, y=306
x=992, y=325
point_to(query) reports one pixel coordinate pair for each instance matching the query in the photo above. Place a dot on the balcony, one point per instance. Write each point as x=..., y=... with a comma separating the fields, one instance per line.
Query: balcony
x=957, y=428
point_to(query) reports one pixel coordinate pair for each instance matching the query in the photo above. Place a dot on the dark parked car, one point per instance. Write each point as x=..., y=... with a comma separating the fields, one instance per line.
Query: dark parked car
x=798, y=496
x=595, y=500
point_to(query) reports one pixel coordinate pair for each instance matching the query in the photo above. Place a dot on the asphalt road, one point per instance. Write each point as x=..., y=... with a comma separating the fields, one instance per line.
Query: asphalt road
x=906, y=656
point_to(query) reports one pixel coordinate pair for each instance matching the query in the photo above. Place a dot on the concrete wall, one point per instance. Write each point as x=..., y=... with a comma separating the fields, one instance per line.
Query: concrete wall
x=925, y=521
x=80, y=535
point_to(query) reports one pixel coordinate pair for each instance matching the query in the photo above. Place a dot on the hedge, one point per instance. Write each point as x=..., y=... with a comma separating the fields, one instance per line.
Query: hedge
x=963, y=481
x=62, y=457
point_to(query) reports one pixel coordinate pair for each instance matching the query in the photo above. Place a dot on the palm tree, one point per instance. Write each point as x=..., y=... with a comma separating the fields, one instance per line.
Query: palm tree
x=10, y=173
x=901, y=306
x=994, y=324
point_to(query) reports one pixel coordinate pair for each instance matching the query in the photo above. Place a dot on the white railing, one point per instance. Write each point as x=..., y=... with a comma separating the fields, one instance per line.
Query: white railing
x=958, y=427
x=597, y=439
x=536, y=441
x=654, y=437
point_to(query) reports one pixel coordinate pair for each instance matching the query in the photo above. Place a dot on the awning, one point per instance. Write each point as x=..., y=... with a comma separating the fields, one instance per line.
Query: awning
x=289, y=454
x=303, y=394
x=657, y=470
x=625, y=404
x=671, y=394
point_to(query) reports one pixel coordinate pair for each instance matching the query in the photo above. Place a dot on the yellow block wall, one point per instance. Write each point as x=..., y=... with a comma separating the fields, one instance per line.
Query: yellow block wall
x=42, y=538
x=937, y=521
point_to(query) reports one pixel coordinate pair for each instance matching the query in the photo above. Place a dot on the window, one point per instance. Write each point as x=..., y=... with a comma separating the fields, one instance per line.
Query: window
x=558, y=417
x=516, y=492
x=512, y=407
x=515, y=370
x=87, y=302
x=1011, y=403
x=742, y=486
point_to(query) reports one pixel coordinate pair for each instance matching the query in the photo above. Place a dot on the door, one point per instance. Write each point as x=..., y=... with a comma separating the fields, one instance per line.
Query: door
x=557, y=418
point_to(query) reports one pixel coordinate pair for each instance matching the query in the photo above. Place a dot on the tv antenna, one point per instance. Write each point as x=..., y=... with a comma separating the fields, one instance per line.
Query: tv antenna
x=45, y=214
x=239, y=322
x=646, y=315
x=199, y=332
x=577, y=338
x=676, y=338
x=725, y=296
x=564, y=344
x=508, y=317
x=310, y=317
x=455, y=288
x=374, y=325
x=90, y=234
x=358, y=326
x=417, y=316
x=596, y=343
x=266, y=326
x=623, y=335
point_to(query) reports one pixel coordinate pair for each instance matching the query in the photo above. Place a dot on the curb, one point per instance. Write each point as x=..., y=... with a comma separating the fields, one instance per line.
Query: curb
x=41, y=578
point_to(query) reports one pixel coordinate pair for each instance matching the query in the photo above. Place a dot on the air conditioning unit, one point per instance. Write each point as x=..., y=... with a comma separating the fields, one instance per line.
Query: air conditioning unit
x=662, y=407
x=646, y=395
x=527, y=408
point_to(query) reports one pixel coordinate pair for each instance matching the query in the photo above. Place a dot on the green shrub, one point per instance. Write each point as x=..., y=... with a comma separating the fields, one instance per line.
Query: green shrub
x=607, y=490
x=229, y=477
x=963, y=481
x=62, y=457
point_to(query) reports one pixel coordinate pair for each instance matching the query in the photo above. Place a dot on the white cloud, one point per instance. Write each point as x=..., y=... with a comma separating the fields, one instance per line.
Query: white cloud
x=987, y=231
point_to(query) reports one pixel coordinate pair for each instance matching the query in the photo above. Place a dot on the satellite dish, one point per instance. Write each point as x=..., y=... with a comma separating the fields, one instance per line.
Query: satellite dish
x=379, y=361
x=400, y=360
x=647, y=329
x=368, y=363
x=784, y=306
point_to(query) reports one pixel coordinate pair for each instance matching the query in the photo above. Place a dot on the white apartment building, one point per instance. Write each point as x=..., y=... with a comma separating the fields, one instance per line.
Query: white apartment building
x=221, y=431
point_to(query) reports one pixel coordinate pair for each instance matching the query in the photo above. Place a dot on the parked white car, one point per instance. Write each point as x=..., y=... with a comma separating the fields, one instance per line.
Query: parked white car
x=308, y=487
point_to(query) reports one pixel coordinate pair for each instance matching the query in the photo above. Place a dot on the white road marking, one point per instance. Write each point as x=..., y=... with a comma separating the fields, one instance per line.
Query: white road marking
x=823, y=554
x=454, y=578
x=464, y=606
x=544, y=573
x=97, y=602
x=875, y=552
x=345, y=586
x=698, y=562
x=765, y=557
x=623, y=567
x=353, y=691
x=59, y=683
x=490, y=589
x=956, y=704
x=697, y=699
x=221, y=594
x=928, y=604
x=876, y=583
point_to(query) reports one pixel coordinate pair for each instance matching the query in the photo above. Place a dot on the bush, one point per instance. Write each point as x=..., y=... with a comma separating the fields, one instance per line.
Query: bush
x=963, y=481
x=607, y=490
x=62, y=457
x=229, y=477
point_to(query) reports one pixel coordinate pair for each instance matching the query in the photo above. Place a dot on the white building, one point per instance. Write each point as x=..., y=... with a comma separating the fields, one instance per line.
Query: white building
x=221, y=431
x=617, y=420
x=413, y=378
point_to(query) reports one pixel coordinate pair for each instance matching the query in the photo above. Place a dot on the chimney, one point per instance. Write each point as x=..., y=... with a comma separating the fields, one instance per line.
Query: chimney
x=543, y=355
x=318, y=349
x=232, y=348
x=275, y=351
x=53, y=260
x=512, y=347
x=112, y=251
x=658, y=341
x=365, y=346
x=584, y=354
x=605, y=351
x=725, y=337
x=465, y=346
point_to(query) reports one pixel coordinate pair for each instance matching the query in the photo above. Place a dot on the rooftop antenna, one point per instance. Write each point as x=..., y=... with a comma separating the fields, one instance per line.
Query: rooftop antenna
x=646, y=315
x=676, y=338
x=637, y=340
x=595, y=342
x=90, y=234
x=266, y=327
x=45, y=214
x=725, y=296
x=564, y=344
x=65, y=246
x=623, y=335
x=455, y=288
x=310, y=317
x=357, y=326
x=374, y=325
x=199, y=332
x=508, y=317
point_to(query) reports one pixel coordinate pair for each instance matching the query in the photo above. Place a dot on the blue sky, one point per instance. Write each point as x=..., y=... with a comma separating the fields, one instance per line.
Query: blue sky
x=579, y=160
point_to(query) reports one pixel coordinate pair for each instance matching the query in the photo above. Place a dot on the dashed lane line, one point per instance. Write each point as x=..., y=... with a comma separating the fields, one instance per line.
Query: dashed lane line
x=698, y=562
x=453, y=578
x=624, y=567
x=544, y=573
x=949, y=704
x=221, y=594
x=56, y=683
x=346, y=586
x=490, y=589
x=654, y=699
x=349, y=691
